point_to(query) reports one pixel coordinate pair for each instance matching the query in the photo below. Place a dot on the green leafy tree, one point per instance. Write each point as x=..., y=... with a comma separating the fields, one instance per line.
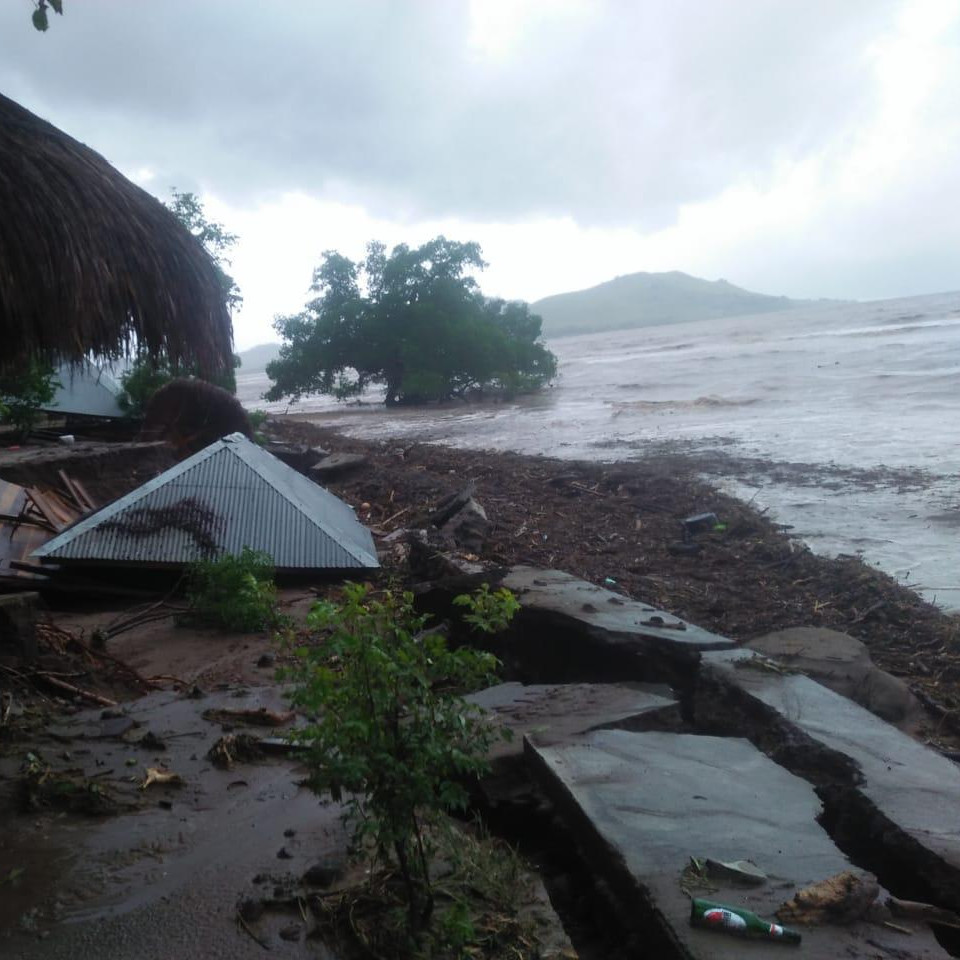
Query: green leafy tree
x=392, y=739
x=24, y=391
x=216, y=240
x=147, y=375
x=414, y=322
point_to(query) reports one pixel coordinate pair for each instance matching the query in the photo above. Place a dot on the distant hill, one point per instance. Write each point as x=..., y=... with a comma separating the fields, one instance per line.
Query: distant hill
x=635, y=300
x=649, y=299
x=255, y=359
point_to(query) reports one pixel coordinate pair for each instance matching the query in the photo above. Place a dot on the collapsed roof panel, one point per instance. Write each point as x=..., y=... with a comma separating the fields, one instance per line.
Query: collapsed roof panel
x=90, y=390
x=230, y=495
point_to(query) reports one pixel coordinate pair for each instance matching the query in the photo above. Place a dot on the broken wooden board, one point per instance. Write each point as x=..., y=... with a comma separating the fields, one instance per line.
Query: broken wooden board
x=641, y=804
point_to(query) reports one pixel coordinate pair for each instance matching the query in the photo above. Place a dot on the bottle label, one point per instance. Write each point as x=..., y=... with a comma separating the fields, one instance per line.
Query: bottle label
x=724, y=918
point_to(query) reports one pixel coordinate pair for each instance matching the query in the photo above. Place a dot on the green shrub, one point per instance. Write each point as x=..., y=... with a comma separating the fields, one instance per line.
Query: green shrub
x=489, y=612
x=147, y=376
x=257, y=419
x=234, y=592
x=392, y=738
x=23, y=391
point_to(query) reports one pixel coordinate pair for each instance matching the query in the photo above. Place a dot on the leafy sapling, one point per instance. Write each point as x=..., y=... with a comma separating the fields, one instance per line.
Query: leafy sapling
x=489, y=611
x=392, y=740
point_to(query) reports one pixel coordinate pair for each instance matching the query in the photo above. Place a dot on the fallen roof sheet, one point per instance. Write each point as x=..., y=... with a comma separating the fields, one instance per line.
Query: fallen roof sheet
x=90, y=390
x=230, y=495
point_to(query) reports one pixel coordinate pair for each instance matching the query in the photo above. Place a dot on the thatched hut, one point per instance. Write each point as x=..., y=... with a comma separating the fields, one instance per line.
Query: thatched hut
x=90, y=263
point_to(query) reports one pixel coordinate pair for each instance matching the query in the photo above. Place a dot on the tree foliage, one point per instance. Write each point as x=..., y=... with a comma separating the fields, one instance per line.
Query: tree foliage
x=23, y=391
x=39, y=18
x=216, y=239
x=148, y=375
x=393, y=739
x=414, y=322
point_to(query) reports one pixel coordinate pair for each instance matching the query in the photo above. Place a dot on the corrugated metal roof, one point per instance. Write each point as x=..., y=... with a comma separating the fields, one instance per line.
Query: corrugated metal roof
x=243, y=496
x=89, y=389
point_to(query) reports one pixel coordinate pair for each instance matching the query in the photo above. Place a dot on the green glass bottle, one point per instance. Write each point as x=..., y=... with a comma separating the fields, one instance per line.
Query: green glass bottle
x=739, y=922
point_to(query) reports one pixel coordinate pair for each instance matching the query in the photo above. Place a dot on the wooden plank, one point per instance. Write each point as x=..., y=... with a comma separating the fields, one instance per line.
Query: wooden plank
x=71, y=489
x=65, y=514
x=88, y=501
x=43, y=505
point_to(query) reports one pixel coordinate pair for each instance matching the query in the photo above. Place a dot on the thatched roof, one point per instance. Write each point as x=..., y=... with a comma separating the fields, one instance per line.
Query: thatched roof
x=89, y=262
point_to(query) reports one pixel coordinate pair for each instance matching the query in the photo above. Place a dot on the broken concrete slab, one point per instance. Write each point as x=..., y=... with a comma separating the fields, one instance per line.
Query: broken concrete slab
x=453, y=504
x=569, y=630
x=596, y=608
x=338, y=465
x=843, y=664
x=549, y=713
x=885, y=792
x=641, y=804
x=468, y=526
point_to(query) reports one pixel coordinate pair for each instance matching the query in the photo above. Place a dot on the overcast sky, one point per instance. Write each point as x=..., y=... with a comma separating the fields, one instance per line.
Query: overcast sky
x=801, y=147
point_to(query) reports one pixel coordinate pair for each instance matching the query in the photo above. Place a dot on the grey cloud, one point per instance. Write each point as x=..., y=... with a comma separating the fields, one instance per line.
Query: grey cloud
x=620, y=118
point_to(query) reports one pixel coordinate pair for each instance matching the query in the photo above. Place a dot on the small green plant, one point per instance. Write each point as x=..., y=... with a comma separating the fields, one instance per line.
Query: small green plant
x=24, y=390
x=392, y=738
x=234, y=592
x=490, y=611
x=257, y=419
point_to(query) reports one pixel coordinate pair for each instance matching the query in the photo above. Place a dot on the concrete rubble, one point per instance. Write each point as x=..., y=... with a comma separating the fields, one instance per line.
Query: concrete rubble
x=643, y=804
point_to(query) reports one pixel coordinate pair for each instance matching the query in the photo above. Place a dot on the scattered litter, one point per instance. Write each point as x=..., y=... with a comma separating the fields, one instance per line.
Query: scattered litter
x=234, y=748
x=698, y=523
x=843, y=898
x=69, y=790
x=735, y=920
x=694, y=877
x=161, y=777
x=737, y=871
x=765, y=664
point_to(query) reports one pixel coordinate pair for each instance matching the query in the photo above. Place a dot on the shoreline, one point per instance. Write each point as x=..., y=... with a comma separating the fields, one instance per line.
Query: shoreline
x=621, y=520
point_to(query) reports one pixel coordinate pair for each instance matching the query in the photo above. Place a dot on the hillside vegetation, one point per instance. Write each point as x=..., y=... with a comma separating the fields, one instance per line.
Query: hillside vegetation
x=650, y=299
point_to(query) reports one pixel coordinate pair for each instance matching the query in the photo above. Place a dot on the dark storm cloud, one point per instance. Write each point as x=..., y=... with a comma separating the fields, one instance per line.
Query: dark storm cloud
x=618, y=115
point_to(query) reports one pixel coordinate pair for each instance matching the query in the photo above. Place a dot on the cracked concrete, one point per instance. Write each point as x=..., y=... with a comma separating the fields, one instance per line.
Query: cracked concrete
x=641, y=804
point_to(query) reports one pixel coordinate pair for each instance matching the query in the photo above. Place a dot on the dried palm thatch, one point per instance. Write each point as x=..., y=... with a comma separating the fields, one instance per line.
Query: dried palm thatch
x=90, y=263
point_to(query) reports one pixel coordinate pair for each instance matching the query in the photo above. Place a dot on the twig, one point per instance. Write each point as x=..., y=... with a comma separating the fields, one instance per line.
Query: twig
x=243, y=924
x=399, y=513
x=76, y=691
x=154, y=681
